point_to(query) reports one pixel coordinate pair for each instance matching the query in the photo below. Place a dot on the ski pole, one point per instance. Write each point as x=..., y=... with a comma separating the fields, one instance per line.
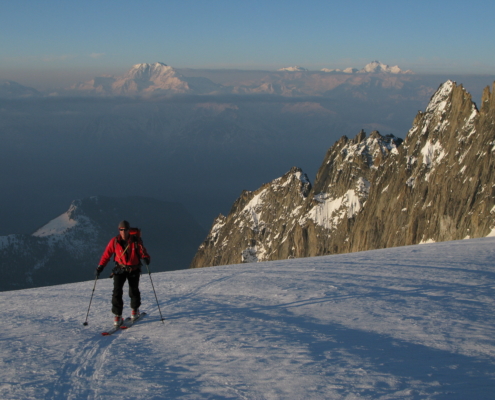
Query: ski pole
x=92, y=293
x=153, y=286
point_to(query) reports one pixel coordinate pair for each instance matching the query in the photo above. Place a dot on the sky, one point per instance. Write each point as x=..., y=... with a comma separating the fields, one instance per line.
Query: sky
x=71, y=41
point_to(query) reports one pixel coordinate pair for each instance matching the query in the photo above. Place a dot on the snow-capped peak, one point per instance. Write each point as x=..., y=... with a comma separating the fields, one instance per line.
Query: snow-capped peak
x=148, y=78
x=346, y=71
x=350, y=70
x=293, y=69
x=373, y=67
x=157, y=65
x=439, y=100
x=377, y=66
x=57, y=226
x=149, y=71
x=146, y=68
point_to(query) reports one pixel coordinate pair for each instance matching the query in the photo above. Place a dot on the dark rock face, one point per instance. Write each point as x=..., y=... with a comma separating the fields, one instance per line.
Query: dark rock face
x=440, y=184
x=374, y=192
x=340, y=193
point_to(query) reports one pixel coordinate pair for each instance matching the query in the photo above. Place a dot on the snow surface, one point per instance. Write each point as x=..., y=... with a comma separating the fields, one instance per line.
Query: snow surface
x=414, y=322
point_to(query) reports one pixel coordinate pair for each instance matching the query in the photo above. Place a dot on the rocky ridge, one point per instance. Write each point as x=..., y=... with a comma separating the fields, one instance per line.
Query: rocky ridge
x=256, y=223
x=440, y=186
x=374, y=192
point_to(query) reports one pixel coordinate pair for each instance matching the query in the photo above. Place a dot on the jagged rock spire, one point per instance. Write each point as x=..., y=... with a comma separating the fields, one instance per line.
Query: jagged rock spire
x=374, y=192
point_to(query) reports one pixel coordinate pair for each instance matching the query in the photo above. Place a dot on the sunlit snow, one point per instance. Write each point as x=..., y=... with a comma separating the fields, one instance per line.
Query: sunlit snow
x=432, y=153
x=414, y=322
x=56, y=226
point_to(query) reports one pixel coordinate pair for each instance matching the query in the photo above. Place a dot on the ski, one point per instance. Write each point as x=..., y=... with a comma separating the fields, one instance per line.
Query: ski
x=115, y=328
x=129, y=321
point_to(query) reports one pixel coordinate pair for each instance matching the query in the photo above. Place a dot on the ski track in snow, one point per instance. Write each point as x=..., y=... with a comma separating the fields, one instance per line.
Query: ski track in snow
x=415, y=322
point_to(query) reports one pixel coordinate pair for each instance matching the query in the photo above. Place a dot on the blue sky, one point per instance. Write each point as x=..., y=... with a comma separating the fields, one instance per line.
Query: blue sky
x=75, y=40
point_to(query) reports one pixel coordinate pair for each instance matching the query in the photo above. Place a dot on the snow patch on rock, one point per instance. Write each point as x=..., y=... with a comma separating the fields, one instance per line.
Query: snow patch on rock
x=57, y=226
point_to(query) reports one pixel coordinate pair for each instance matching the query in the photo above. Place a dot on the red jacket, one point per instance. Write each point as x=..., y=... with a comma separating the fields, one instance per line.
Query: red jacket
x=134, y=251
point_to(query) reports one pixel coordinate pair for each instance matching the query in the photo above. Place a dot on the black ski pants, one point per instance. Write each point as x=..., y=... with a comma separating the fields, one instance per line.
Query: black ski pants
x=118, y=291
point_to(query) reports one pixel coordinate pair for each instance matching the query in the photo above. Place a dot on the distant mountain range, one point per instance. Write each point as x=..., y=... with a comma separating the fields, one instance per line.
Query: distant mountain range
x=159, y=79
x=374, y=67
x=294, y=69
x=374, y=192
x=68, y=248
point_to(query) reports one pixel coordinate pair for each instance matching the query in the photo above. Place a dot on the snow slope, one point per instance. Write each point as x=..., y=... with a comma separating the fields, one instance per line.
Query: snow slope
x=415, y=322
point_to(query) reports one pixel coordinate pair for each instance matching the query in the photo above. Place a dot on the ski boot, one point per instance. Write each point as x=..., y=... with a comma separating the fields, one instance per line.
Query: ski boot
x=135, y=314
x=118, y=320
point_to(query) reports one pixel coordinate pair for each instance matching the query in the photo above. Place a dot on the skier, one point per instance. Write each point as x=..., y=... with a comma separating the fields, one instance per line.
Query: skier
x=128, y=250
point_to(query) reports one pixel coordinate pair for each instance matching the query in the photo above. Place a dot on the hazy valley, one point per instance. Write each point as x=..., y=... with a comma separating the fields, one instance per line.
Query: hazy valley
x=199, y=148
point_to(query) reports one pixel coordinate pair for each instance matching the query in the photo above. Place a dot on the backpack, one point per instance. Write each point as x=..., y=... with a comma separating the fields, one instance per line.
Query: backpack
x=135, y=234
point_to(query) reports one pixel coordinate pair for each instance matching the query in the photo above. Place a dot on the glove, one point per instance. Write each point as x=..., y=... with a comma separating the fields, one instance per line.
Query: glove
x=146, y=261
x=99, y=269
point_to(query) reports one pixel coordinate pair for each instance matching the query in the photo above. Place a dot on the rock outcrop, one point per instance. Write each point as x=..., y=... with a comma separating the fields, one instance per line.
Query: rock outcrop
x=256, y=224
x=374, y=192
x=439, y=186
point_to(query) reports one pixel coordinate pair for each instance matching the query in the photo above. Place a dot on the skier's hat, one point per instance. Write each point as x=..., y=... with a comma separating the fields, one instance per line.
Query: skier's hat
x=124, y=224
